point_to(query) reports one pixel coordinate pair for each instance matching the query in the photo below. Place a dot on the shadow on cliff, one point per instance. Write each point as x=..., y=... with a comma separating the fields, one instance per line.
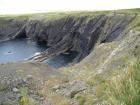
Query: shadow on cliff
x=72, y=34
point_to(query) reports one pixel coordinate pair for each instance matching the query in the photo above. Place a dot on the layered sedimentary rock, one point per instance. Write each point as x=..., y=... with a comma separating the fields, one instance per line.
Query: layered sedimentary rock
x=79, y=34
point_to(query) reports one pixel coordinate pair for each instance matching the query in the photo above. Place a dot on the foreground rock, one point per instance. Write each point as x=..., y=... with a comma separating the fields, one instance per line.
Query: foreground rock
x=70, y=89
x=21, y=83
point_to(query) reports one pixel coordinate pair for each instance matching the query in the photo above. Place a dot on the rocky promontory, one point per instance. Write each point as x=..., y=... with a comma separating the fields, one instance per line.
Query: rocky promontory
x=69, y=33
x=105, y=71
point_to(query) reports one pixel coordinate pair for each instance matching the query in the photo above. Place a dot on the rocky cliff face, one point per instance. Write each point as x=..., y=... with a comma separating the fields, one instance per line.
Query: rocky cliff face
x=9, y=28
x=66, y=34
x=111, y=41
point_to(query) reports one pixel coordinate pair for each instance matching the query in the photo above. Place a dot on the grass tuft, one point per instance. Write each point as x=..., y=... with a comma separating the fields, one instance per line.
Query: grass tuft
x=123, y=88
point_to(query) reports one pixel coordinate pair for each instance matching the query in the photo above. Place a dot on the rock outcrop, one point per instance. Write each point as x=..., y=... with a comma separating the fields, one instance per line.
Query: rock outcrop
x=9, y=28
x=111, y=41
x=66, y=34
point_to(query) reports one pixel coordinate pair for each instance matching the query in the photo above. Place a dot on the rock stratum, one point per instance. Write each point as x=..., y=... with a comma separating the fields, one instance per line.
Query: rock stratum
x=69, y=33
x=107, y=43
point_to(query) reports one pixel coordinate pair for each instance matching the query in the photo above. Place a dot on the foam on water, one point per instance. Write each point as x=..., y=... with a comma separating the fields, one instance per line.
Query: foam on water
x=23, y=49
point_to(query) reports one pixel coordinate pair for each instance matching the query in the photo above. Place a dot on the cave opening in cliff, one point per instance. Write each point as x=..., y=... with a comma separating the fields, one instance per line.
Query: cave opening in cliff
x=63, y=59
x=41, y=42
x=22, y=35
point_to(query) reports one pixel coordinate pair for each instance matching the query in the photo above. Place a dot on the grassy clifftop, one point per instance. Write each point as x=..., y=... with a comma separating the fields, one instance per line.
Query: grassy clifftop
x=55, y=15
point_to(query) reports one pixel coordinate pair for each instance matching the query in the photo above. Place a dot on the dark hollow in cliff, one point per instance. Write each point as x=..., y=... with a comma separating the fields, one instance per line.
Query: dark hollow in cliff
x=68, y=34
x=62, y=59
x=21, y=35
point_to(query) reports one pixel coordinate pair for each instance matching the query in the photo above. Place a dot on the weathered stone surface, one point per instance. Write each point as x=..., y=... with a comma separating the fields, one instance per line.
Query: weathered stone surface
x=66, y=34
x=82, y=35
x=70, y=89
x=9, y=28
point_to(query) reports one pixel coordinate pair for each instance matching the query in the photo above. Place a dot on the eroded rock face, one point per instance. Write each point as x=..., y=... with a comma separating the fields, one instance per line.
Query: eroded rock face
x=66, y=34
x=9, y=28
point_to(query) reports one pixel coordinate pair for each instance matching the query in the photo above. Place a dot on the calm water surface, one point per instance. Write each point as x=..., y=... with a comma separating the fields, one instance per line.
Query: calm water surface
x=22, y=49
x=18, y=50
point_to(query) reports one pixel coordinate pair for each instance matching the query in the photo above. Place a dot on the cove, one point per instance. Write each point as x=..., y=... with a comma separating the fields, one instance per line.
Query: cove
x=22, y=48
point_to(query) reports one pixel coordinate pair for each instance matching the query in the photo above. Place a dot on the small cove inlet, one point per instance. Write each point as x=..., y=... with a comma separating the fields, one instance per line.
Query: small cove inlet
x=22, y=48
